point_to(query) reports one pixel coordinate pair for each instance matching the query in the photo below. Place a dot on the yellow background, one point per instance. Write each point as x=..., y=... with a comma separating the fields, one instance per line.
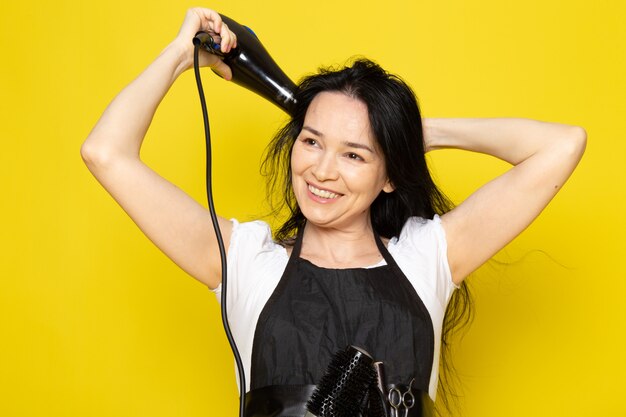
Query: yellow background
x=95, y=321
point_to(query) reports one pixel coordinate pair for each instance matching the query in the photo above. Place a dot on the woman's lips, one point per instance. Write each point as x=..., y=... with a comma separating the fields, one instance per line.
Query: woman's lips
x=323, y=194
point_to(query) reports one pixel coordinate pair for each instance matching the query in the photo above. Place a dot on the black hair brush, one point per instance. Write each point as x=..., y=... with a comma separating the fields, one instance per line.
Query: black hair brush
x=343, y=390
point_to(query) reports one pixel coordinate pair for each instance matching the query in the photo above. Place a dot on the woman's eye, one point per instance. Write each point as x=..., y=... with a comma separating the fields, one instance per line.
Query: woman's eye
x=310, y=141
x=354, y=156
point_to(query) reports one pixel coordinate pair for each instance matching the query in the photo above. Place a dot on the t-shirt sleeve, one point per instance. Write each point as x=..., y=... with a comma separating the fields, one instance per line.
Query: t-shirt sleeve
x=424, y=242
x=249, y=241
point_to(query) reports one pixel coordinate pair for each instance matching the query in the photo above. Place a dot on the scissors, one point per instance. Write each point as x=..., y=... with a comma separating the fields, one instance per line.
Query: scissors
x=398, y=400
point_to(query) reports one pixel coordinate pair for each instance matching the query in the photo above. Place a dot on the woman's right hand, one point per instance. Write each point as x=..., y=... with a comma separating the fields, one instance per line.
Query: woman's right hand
x=200, y=19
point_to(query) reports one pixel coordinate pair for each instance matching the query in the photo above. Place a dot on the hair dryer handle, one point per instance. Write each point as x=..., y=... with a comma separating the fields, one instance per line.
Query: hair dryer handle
x=252, y=66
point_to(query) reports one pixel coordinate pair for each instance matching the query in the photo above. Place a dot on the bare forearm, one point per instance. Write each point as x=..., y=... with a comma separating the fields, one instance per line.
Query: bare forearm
x=510, y=139
x=124, y=123
x=543, y=154
x=121, y=129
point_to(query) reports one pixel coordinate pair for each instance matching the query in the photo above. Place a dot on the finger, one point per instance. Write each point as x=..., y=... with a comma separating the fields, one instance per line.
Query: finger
x=227, y=38
x=223, y=70
x=233, y=40
x=211, y=20
x=234, y=43
x=219, y=29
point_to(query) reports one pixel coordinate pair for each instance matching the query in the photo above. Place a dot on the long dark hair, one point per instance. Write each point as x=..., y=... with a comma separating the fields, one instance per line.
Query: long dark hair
x=396, y=123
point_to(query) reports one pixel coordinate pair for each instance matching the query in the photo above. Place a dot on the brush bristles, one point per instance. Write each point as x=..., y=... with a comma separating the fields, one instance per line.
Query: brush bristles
x=343, y=388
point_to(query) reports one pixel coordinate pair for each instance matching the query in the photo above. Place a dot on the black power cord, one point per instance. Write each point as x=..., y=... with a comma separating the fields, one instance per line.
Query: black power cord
x=218, y=234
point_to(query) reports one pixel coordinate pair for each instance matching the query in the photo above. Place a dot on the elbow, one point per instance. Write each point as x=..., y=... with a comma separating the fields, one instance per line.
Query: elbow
x=571, y=143
x=578, y=141
x=90, y=154
x=87, y=152
x=96, y=156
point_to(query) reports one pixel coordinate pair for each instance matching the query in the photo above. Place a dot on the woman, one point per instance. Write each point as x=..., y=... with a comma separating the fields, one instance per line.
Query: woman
x=371, y=254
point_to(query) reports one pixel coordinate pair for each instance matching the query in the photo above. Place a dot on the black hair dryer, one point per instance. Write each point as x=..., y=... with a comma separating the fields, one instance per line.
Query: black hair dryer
x=252, y=66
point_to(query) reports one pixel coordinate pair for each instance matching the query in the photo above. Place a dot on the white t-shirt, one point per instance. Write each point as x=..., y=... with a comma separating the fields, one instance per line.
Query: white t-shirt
x=256, y=263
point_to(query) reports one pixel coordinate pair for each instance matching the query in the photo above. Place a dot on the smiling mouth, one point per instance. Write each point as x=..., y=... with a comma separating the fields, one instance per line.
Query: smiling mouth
x=323, y=193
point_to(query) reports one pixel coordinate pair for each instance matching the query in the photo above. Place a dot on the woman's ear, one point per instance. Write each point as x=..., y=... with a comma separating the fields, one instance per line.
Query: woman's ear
x=389, y=188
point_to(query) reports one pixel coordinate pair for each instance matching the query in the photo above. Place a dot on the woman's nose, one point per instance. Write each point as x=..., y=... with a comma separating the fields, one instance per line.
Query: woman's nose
x=325, y=168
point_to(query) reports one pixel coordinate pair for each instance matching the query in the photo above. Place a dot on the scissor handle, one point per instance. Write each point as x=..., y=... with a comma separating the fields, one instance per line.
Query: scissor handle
x=408, y=399
x=397, y=398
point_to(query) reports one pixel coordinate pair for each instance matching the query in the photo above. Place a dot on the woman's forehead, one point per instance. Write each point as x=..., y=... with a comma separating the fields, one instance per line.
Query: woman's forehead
x=335, y=115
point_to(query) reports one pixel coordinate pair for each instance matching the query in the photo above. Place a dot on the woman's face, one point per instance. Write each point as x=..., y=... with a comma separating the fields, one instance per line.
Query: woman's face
x=337, y=168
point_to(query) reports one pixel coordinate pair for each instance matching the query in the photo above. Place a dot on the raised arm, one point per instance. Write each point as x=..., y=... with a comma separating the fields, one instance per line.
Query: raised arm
x=171, y=219
x=543, y=154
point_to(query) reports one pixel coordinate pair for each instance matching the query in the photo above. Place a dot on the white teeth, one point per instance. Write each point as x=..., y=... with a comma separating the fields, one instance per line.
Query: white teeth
x=322, y=193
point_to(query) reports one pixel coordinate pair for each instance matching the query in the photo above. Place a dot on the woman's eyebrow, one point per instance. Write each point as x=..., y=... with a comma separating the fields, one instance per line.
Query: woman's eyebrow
x=315, y=132
x=358, y=146
x=345, y=143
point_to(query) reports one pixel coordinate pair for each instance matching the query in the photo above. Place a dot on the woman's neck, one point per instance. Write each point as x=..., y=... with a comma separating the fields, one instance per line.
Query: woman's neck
x=335, y=248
